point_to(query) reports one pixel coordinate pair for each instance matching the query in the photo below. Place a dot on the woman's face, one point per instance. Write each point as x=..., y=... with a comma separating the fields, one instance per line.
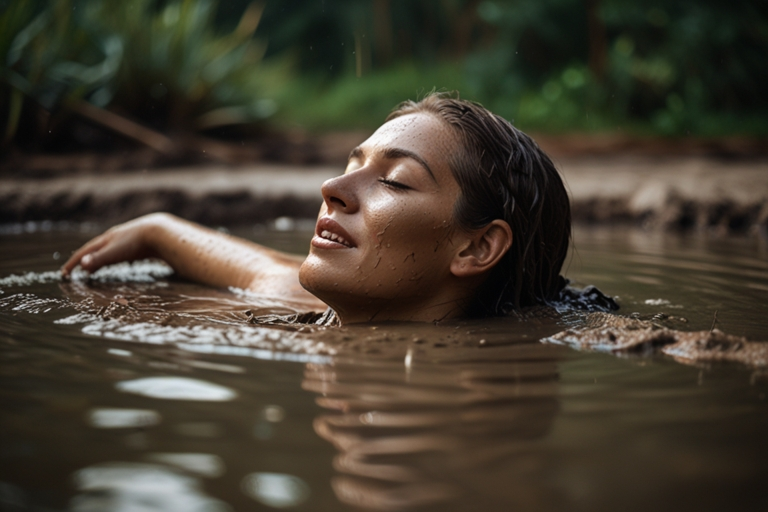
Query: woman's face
x=385, y=236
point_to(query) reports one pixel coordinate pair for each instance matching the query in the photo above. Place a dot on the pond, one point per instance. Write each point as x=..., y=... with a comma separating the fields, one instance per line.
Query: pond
x=139, y=392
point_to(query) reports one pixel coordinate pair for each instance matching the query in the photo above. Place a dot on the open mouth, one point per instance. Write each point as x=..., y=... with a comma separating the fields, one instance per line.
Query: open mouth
x=334, y=237
x=329, y=232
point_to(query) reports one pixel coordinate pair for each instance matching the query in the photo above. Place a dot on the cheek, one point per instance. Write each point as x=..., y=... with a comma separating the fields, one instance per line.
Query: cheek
x=413, y=239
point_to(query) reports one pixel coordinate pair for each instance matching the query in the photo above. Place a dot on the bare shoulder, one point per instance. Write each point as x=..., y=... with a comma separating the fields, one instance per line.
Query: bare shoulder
x=276, y=274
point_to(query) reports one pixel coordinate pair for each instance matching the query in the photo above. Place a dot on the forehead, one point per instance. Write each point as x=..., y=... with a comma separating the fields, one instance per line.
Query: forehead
x=422, y=133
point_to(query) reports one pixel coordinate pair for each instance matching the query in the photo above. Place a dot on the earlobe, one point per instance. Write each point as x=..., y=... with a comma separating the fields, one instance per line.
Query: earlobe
x=485, y=248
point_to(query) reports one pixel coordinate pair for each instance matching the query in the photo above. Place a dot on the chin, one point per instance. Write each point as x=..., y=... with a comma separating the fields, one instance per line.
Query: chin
x=317, y=278
x=305, y=276
x=331, y=284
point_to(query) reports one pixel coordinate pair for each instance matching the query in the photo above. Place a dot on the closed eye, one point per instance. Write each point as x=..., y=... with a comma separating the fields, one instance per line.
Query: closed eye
x=394, y=184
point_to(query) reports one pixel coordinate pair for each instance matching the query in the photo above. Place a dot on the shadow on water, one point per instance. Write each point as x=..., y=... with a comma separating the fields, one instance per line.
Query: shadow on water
x=133, y=391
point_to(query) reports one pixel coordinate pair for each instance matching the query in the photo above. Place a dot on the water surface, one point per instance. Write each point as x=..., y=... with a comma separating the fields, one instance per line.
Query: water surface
x=136, y=391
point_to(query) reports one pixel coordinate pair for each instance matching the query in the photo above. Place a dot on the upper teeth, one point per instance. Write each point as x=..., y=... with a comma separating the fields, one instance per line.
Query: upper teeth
x=333, y=236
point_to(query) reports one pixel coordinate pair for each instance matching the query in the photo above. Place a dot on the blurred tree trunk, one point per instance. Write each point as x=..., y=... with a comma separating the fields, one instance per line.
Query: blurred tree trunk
x=382, y=30
x=362, y=53
x=598, y=44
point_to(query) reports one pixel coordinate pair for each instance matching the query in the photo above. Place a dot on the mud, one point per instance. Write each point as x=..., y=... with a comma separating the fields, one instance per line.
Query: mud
x=212, y=195
x=680, y=193
x=625, y=335
x=654, y=191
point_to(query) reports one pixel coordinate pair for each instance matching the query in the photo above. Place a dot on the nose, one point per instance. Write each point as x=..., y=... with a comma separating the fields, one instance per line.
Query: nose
x=339, y=194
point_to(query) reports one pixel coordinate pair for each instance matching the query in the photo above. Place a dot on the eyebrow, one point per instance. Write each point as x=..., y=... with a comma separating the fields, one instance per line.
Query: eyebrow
x=395, y=153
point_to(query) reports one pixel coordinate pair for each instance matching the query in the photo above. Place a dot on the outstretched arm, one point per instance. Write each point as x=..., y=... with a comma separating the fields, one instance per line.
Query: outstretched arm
x=197, y=253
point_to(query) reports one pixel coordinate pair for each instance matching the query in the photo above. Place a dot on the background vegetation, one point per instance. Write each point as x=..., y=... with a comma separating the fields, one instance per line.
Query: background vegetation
x=76, y=72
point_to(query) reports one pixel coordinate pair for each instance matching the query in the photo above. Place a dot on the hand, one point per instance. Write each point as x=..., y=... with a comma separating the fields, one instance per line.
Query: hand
x=125, y=242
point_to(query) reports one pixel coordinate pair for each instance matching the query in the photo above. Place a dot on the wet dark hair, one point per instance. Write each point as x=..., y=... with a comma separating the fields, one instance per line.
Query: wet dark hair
x=503, y=174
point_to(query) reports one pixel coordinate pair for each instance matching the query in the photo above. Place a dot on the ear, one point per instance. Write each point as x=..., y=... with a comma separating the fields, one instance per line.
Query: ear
x=483, y=250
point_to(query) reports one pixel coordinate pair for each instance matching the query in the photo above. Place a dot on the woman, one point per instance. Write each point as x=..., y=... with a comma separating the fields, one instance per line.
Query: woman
x=446, y=211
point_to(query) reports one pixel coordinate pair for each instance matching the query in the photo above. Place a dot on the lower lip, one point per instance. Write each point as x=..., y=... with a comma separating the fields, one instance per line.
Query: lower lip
x=324, y=243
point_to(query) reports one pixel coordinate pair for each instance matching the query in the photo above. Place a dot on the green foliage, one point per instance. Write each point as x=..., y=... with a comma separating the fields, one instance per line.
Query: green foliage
x=661, y=66
x=48, y=57
x=12, y=21
x=178, y=72
x=164, y=65
x=681, y=65
x=352, y=102
x=672, y=66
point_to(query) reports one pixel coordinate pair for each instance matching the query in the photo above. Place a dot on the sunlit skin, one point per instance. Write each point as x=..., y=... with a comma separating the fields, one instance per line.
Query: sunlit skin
x=394, y=206
x=401, y=256
x=198, y=254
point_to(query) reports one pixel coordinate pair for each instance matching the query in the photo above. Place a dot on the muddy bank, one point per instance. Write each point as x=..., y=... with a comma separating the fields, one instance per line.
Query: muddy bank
x=655, y=191
x=678, y=193
x=211, y=195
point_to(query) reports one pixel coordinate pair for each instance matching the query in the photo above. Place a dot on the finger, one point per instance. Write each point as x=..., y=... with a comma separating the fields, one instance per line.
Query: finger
x=94, y=245
x=114, y=252
x=93, y=261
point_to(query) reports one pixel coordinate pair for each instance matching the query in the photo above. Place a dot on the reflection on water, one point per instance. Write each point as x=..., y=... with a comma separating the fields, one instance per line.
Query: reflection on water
x=203, y=464
x=698, y=275
x=264, y=428
x=177, y=388
x=275, y=489
x=132, y=487
x=159, y=395
x=405, y=430
x=104, y=417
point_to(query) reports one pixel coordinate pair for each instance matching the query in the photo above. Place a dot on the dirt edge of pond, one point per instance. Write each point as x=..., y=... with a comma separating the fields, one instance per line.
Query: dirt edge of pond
x=677, y=192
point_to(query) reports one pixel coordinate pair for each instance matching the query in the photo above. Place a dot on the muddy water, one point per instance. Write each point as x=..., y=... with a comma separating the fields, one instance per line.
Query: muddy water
x=135, y=391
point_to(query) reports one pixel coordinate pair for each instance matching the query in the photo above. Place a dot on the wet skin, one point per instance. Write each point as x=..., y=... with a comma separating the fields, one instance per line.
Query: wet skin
x=386, y=246
x=393, y=212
